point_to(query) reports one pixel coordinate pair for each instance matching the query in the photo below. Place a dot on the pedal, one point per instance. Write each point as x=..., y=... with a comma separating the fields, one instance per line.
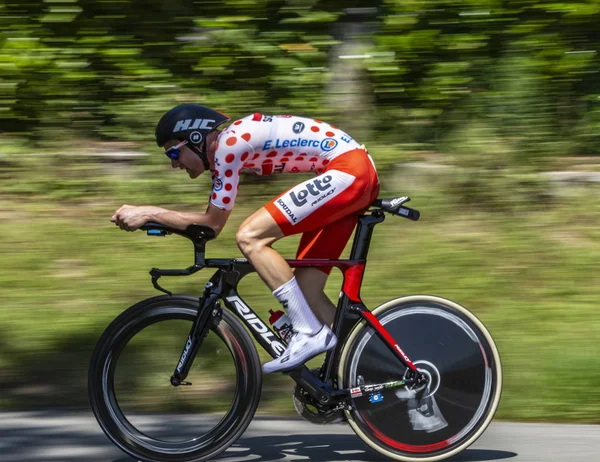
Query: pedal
x=425, y=407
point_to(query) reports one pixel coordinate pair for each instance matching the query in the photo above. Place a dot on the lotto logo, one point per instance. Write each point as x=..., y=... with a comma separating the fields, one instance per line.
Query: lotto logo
x=302, y=200
x=316, y=187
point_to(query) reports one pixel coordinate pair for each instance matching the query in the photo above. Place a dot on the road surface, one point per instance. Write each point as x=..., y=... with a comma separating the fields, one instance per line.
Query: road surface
x=51, y=436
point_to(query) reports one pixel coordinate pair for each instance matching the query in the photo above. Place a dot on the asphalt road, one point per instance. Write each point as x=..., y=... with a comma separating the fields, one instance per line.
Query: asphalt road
x=76, y=437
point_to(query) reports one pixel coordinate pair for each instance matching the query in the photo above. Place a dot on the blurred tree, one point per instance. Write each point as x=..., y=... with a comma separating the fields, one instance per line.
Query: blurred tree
x=108, y=68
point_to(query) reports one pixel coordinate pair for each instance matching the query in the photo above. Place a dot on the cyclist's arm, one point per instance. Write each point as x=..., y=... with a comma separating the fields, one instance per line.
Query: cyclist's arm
x=213, y=217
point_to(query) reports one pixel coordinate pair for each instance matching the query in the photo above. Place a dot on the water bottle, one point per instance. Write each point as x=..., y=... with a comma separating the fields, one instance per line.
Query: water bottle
x=281, y=324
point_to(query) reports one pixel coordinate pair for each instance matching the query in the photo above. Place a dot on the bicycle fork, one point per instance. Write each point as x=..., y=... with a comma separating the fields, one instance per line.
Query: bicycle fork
x=209, y=309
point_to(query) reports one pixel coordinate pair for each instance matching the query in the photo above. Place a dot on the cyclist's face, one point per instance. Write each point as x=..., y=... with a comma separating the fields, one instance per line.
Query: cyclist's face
x=188, y=160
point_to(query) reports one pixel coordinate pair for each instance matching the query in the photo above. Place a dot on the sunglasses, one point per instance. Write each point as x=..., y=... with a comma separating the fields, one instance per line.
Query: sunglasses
x=174, y=152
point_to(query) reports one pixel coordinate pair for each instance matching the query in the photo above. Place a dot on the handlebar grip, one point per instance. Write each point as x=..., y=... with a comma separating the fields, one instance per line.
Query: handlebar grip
x=409, y=213
x=156, y=232
x=155, y=229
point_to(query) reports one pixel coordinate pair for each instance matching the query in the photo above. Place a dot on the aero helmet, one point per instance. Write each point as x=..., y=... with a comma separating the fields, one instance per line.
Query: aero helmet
x=189, y=122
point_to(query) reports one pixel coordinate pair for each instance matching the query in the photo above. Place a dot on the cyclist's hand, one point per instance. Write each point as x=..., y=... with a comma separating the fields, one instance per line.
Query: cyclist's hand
x=130, y=217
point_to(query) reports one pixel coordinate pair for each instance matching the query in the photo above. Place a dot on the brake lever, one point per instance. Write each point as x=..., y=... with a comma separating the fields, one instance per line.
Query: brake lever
x=155, y=273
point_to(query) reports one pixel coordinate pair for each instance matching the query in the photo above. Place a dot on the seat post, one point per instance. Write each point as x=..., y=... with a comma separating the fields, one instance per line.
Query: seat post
x=364, y=231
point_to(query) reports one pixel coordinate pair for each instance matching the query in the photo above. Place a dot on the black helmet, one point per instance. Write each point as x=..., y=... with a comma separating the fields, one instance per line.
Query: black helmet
x=191, y=122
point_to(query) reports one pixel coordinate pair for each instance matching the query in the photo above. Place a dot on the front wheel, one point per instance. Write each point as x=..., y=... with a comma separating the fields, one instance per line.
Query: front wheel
x=453, y=349
x=132, y=397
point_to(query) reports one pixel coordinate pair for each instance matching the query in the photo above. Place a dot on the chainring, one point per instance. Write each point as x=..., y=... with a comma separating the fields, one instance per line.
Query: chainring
x=309, y=409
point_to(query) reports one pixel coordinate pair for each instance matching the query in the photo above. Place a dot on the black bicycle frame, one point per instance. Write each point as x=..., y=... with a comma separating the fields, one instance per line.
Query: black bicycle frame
x=350, y=309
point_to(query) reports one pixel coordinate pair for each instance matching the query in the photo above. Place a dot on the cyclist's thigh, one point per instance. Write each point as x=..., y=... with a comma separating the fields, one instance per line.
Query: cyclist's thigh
x=261, y=225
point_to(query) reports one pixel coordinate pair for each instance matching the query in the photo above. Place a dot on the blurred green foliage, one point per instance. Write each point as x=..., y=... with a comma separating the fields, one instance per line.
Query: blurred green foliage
x=486, y=93
x=528, y=270
x=107, y=69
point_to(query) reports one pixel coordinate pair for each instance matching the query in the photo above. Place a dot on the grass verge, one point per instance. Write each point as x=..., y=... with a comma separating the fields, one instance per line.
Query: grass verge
x=528, y=271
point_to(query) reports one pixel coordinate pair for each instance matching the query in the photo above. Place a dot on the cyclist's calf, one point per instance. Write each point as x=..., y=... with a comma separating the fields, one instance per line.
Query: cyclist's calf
x=312, y=282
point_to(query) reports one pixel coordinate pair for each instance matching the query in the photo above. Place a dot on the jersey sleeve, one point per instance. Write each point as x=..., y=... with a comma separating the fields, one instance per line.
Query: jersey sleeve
x=231, y=152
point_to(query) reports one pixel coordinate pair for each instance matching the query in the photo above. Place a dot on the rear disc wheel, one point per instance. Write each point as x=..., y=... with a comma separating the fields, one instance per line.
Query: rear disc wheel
x=453, y=349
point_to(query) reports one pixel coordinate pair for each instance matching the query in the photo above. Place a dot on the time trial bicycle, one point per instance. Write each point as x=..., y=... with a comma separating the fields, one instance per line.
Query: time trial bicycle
x=178, y=378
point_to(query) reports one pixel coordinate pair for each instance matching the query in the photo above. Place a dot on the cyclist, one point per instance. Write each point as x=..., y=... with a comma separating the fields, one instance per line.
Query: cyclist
x=323, y=209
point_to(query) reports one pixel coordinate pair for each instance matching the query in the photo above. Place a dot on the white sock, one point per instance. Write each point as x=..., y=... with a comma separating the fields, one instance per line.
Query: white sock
x=291, y=297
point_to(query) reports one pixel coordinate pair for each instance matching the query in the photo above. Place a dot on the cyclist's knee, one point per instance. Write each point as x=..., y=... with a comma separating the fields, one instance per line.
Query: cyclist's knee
x=249, y=239
x=255, y=233
x=245, y=238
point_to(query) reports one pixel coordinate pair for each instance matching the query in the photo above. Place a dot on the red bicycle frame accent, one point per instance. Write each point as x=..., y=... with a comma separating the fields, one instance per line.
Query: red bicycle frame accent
x=389, y=340
x=353, y=271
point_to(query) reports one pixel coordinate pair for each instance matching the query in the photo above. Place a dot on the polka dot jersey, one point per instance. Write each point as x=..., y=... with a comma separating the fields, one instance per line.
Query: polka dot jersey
x=263, y=145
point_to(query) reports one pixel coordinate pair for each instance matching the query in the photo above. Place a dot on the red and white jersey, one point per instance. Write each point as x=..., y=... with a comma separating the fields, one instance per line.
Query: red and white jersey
x=263, y=144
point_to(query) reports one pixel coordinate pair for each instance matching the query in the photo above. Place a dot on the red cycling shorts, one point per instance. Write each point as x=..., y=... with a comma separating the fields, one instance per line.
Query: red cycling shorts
x=326, y=208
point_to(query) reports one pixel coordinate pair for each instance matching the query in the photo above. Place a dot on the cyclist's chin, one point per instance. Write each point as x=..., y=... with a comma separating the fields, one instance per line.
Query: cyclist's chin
x=193, y=173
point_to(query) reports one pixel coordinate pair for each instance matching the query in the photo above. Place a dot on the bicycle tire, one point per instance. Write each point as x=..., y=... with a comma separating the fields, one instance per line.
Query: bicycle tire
x=428, y=326
x=104, y=362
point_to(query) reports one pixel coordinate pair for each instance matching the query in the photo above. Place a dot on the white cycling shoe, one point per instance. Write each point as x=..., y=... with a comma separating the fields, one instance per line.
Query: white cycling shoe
x=301, y=348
